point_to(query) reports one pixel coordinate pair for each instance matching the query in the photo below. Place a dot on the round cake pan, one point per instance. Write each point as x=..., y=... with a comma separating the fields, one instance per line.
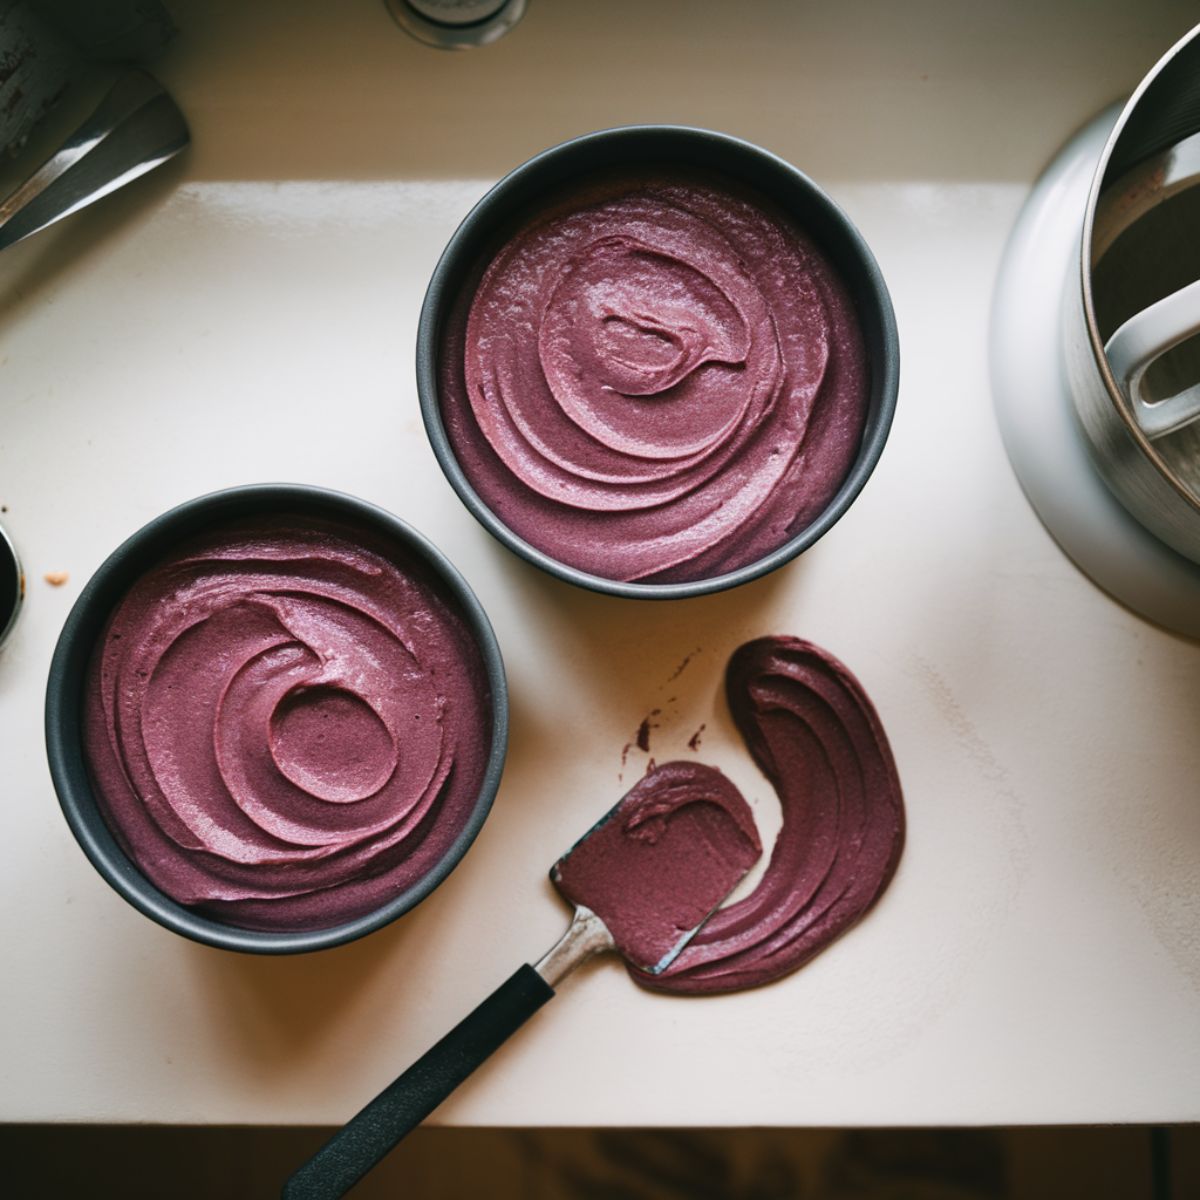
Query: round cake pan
x=85, y=625
x=655, y=147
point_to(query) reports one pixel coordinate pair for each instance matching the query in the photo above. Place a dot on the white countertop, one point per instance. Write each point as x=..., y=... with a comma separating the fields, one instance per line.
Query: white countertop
x=248, y=314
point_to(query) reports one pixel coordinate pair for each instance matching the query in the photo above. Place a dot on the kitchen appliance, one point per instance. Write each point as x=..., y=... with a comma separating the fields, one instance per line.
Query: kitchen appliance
x=1095, y=361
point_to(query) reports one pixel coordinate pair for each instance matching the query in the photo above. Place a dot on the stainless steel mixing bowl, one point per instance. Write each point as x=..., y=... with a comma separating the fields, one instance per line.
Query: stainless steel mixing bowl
x=1133, y=369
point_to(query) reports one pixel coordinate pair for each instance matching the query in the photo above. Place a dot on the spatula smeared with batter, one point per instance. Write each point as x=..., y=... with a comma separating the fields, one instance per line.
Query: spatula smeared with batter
x=643, y=880
x=653, y=869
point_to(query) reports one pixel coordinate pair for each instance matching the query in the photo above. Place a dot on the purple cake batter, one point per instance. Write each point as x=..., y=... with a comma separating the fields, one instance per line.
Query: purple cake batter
x=287, y=723
x=814, y=733
x=659, y=380
x=663, y=859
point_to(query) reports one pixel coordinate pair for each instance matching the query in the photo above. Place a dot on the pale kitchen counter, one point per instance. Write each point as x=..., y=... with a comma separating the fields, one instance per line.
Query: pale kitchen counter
x=248, y=314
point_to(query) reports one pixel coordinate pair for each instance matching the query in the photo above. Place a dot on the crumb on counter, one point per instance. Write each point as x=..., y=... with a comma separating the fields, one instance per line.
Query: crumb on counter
x=56, y=578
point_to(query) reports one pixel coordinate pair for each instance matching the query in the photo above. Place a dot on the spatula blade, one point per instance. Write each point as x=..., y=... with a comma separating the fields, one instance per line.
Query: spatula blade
x=657, y=865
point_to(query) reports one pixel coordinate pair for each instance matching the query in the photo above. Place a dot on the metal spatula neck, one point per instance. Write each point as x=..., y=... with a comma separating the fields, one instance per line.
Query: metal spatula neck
x=587, y=936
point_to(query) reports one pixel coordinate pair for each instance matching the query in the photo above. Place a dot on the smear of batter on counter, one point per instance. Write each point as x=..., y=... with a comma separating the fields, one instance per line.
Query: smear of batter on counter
x=815, y=735
x=643, y=733
x=287, y=723
x=657, y=378
x=679, y=670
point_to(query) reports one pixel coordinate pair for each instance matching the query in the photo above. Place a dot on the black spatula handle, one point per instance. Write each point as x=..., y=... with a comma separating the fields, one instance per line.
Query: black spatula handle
x=404, y=1104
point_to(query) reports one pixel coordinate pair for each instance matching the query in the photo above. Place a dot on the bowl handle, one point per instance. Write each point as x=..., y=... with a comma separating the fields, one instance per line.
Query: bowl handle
x=1139, y=343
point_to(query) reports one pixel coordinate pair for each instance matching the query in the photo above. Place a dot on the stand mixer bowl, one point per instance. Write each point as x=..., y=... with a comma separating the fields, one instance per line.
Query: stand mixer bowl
x=1131, y=319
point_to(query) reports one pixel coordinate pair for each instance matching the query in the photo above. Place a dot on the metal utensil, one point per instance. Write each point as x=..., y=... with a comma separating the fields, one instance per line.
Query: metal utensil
x=456, y=24
x=135, y=127
x=644, y=918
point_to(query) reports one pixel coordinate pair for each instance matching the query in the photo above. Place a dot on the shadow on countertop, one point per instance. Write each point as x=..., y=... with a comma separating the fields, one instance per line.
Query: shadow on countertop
x=1096, y=1163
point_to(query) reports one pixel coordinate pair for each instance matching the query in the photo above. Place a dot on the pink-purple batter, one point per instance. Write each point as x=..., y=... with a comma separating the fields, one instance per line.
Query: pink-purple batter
x=287, y=723
x=662, y=860
x=659, y=379
x=814, y=733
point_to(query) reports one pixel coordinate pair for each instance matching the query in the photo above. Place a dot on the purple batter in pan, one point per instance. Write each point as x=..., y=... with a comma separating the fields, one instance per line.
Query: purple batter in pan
x=660, y=379
x=287, y=723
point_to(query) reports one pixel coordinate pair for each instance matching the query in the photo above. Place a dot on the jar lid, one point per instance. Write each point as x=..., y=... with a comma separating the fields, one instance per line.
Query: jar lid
x=12, y=585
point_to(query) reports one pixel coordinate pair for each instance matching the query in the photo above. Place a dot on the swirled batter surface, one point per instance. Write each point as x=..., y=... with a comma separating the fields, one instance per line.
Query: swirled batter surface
x=661, y=380
x=287, y=723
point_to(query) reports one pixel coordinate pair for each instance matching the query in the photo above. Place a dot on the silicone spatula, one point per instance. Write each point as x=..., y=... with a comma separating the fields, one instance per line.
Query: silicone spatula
x=643, y=881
